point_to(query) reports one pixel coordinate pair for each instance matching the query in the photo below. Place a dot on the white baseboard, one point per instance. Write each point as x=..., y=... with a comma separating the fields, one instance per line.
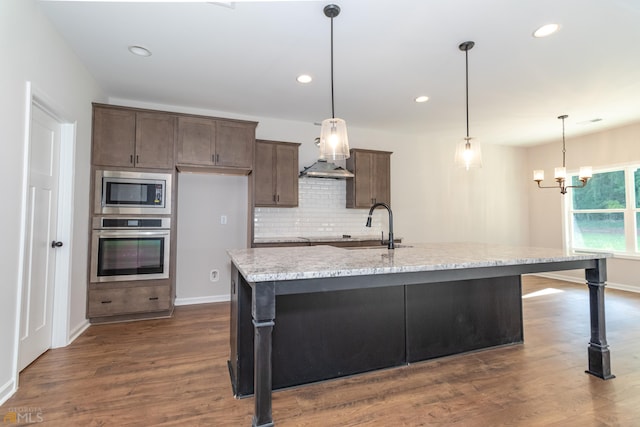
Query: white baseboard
x=78, y=330
x=7, y=390
x=202, y=300
x=573, y=279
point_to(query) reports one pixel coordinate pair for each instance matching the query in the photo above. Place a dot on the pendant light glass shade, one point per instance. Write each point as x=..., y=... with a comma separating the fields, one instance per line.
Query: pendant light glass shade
x=468, y=155
x=334, y=142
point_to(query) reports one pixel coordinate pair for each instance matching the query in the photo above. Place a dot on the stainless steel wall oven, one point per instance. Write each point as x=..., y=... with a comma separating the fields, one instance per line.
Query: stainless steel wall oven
x=130, y=248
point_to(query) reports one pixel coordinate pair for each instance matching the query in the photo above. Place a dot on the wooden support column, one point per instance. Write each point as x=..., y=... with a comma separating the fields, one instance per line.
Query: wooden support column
x=263, y=311
x=598, y=350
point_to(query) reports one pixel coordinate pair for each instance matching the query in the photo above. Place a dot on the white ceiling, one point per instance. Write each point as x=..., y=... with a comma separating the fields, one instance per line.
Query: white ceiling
x=244, y=59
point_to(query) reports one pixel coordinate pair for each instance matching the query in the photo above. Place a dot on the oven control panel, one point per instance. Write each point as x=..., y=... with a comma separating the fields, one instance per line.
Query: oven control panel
x=105, y=223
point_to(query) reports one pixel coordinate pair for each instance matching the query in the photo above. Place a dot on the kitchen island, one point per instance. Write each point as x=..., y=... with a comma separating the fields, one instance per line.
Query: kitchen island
x=307, y=314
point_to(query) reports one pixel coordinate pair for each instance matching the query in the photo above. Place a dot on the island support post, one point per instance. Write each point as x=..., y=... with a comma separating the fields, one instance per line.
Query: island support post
x=263, y=311
x=598, y=350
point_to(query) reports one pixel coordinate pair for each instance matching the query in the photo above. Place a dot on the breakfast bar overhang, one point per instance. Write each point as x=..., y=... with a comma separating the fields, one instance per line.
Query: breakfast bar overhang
x=379, y=280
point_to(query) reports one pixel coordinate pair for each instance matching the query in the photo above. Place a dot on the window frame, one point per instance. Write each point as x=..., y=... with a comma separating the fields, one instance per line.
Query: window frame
x=630, y=213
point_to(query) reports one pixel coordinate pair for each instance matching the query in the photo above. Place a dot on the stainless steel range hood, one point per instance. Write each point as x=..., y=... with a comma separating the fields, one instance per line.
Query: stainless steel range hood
x=324, y=169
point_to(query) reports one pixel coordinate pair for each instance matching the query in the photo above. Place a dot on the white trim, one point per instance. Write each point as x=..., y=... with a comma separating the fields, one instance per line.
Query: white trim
x=7, y=390
x=202, y=300
x=78, y=330
x=61, y=296
x=573, y=279
x=23, y=232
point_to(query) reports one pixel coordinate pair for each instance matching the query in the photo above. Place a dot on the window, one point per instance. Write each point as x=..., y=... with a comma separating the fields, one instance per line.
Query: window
x=605, y=215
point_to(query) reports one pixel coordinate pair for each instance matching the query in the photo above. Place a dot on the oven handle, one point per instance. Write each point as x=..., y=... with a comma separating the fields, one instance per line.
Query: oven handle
x=132, y=233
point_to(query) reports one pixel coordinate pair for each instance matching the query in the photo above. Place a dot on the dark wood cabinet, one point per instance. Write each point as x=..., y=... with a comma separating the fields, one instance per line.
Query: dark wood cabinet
x=129, y=138
x=276, y=174
x=209, y=142
x=196, y=140
x=372, y=178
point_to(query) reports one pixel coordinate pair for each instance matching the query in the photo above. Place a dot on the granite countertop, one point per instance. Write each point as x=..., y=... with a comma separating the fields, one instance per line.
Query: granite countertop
x=307, y=262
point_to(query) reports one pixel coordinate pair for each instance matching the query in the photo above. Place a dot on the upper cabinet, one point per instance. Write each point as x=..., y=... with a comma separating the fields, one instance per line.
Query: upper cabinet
x=276, y=174
x=217, y=143
x=372, y=178
x=125, y=137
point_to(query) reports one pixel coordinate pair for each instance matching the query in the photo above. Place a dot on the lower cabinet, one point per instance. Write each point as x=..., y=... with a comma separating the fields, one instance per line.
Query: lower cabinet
x=117, y=302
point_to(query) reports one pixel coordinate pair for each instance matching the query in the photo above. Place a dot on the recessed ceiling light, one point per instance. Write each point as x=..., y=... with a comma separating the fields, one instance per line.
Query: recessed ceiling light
x=139, y=50
x=546, y=30
x=422, y=98
x=304, y=78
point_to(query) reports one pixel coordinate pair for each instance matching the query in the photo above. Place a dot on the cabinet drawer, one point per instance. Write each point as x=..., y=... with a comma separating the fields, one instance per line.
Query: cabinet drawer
x=111, y=302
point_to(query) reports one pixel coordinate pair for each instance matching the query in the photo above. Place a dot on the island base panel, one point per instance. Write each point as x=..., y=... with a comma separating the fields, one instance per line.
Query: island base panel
x=324, y=335
x=455, y=317
x=320, y=336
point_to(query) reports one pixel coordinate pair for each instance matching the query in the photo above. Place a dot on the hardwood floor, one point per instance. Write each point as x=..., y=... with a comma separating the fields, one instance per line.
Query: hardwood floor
x=173, y=372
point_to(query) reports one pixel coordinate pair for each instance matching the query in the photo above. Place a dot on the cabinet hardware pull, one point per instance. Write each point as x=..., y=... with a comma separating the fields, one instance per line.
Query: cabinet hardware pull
x=278, y=198
x=131, y=158
x=217, y=158
x=137, y=159
x=153, y=298
x=106, y=302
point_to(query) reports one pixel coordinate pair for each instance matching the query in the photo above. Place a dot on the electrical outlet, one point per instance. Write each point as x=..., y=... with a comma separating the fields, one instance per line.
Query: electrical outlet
x=223, y=219
x=214, y=275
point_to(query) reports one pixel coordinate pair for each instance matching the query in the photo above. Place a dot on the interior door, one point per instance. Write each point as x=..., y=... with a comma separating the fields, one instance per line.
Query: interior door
x=42, y=209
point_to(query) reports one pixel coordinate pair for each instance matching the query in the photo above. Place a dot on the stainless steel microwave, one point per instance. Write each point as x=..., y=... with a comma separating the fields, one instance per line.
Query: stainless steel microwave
x=128, y=192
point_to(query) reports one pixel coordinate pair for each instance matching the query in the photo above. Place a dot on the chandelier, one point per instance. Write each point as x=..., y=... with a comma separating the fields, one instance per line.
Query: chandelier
x=560, y=174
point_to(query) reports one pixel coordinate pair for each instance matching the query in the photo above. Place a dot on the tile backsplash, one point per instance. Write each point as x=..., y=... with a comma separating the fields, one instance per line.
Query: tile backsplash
x=321, y=212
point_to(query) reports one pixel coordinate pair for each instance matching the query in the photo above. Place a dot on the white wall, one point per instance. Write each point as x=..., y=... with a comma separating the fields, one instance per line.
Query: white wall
x=31, y=50
x=614, y=147
x=202, y=239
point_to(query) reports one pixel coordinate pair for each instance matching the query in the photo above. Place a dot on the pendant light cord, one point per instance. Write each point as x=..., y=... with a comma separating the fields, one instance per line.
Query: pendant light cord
x=466, y=58
x=333, y=115
x=564, y=150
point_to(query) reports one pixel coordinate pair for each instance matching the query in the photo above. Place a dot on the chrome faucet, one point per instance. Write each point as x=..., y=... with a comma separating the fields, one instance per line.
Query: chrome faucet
x=384, y=205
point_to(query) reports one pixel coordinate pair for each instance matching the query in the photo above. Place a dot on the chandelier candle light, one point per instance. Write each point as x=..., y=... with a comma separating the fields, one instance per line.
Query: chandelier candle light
x=560, y=174
x=334, y=143
x=467, y=155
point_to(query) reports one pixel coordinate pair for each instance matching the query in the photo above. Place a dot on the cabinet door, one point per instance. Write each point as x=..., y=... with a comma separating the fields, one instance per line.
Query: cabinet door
x=196, y=139
x=381, y=178
x=234, y=144
x=264, y=175
x=286, y=175
x=114, y=134
x=363, y=193
x=155, y=138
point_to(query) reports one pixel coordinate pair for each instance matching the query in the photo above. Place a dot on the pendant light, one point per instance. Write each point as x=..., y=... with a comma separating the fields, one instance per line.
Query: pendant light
x=334, y=143
x=468, y=155
x=560, y=174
